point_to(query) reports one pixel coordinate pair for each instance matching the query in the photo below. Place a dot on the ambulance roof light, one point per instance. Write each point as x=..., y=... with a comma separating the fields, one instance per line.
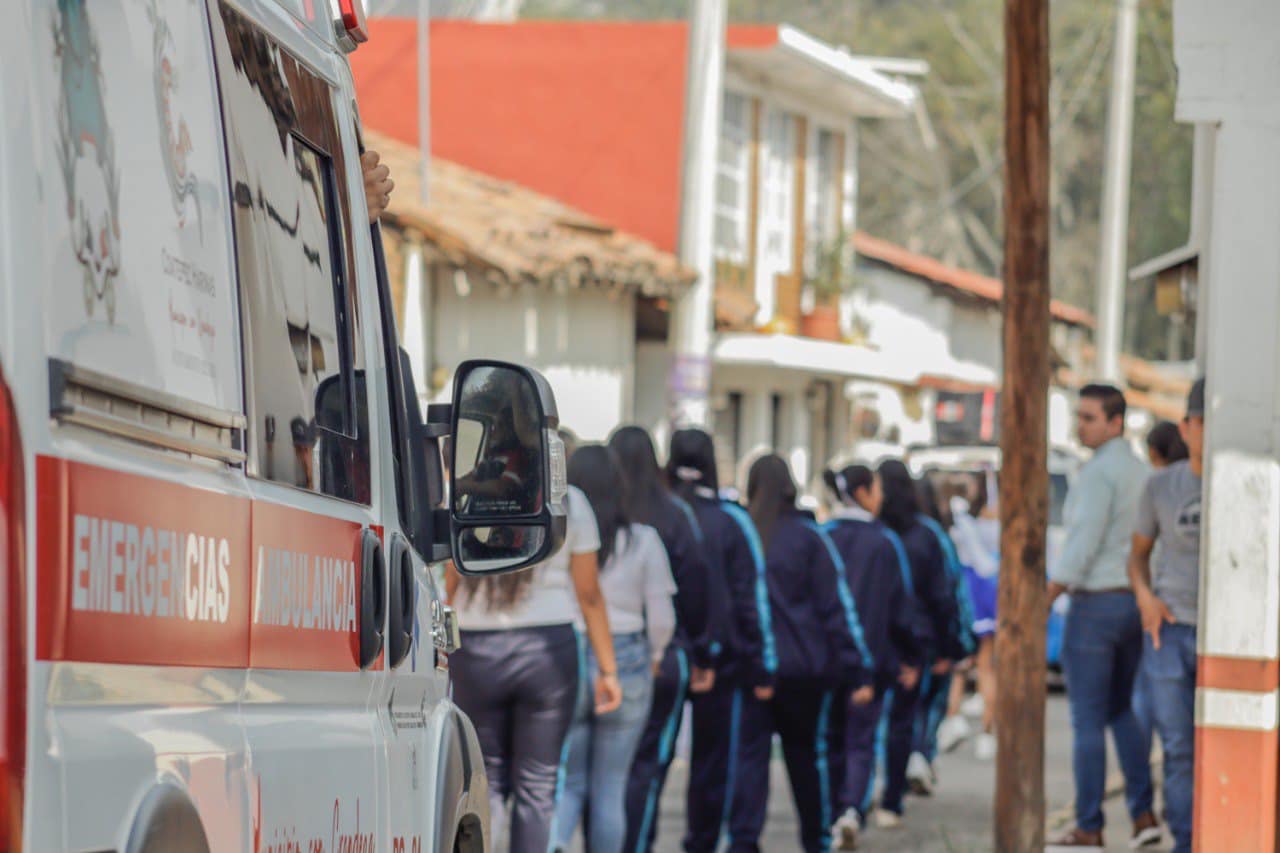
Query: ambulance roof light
x=353, y=29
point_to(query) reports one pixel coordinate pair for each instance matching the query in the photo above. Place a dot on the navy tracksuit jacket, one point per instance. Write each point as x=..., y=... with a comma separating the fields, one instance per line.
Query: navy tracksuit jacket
x=935, y=689
x=897, y=634
x=822, y=655
x=699, y=590
x=932, y=587
x=745, y=658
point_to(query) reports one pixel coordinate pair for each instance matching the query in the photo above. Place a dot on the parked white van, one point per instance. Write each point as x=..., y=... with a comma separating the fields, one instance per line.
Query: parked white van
x=218, y=498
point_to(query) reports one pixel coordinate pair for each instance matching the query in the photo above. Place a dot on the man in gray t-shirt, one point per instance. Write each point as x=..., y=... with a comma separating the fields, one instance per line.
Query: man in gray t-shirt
x=1168, y=598
x=1169, y=512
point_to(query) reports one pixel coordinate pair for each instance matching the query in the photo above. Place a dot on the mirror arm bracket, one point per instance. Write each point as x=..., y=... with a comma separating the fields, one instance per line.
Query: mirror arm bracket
x=441, y=549
x=439, y=417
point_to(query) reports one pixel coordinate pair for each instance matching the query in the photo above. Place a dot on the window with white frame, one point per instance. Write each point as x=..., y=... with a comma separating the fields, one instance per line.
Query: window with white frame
x=777, y=191
x=732, y=179
x=822, y=218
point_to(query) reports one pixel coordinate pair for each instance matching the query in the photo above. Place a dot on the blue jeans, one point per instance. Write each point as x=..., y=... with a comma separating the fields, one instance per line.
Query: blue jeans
x=1172, y=673
x=1101, y=652
x=599, y=751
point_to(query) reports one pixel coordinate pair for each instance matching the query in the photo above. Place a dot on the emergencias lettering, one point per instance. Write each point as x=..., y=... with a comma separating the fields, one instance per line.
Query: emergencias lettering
x=139, y=570
x=299, y=590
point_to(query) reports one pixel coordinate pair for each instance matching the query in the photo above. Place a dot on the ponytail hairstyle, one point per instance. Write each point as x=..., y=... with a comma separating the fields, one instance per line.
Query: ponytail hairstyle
x=857, y=477
x=836, y=485
x=771, y=491
x=594, y=469
x=692, y=463
x=900, y=502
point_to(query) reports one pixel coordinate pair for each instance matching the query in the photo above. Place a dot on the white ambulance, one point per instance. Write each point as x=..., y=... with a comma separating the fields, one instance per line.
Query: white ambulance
x=218, y=497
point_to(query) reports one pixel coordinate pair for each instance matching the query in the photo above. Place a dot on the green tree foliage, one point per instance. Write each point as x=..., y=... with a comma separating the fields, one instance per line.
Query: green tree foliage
x=933, y=182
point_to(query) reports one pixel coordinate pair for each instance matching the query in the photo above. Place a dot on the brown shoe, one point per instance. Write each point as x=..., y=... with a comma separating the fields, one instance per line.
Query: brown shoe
x=1074, y=841
x=1146, y=832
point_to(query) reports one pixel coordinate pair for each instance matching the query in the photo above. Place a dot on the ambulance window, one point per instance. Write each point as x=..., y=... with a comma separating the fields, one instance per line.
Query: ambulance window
x=308, y=418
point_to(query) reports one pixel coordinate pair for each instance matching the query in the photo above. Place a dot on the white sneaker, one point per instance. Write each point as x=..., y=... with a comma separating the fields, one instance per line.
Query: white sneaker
x=953, y=731
x=984, y=746
x=919, y=775
x=973, y=706
x=886, y=819
x=844, y=835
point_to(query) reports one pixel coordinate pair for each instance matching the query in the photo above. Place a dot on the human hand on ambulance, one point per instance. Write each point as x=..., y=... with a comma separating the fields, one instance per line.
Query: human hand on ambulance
x=377, y=184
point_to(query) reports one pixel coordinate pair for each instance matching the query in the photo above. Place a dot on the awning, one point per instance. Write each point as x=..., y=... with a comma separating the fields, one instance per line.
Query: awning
x=1169, y=260
x=833, y=358
x=791, y=59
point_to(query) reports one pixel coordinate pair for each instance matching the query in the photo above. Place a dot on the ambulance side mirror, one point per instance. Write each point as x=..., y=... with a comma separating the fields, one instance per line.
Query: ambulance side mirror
x=507, y=482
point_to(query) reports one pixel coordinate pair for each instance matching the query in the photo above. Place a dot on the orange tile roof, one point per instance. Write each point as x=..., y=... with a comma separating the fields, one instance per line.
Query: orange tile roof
x=518, y=234
x=966, y=281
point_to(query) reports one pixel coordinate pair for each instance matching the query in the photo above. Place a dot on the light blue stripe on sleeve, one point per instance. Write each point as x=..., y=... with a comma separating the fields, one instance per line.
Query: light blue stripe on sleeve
x=904, y=564
x=748, y=527
x=846, y=596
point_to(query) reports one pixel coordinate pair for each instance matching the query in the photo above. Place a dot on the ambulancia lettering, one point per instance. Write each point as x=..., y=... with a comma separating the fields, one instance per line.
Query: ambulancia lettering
x=308, y=591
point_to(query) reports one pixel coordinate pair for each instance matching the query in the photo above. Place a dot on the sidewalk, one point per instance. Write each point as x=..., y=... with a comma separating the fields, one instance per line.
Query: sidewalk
x=957, y=819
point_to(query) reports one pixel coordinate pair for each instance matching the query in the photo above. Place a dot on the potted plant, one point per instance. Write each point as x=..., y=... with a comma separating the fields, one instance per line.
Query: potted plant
x=831, y=279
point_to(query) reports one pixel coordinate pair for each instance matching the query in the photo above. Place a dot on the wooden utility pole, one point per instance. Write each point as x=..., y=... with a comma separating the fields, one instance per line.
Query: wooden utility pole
x=1024, y=475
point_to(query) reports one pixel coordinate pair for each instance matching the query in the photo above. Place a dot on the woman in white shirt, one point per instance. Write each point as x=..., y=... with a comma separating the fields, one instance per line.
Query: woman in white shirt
x=519, y=675
x=637, y=585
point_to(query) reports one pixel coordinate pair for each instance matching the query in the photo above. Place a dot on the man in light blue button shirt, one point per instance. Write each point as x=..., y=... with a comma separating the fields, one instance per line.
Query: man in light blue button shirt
x=1102, y=641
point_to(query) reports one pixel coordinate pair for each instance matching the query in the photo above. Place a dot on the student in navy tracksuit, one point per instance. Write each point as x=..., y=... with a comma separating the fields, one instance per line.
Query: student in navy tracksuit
x=936, y=689
x=878, y=575
x=689, y=663
x=823, y=666
x=746, y=659
x=932, y=588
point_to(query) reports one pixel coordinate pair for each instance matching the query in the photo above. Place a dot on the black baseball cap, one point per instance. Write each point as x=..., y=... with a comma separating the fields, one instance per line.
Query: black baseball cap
x=1195, y=399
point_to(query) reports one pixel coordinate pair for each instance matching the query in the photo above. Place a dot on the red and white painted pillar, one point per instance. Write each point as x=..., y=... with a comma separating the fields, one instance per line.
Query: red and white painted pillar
x=1229, y=84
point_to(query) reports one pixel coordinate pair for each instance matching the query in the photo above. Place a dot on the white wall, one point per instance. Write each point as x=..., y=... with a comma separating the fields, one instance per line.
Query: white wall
x=583, y=340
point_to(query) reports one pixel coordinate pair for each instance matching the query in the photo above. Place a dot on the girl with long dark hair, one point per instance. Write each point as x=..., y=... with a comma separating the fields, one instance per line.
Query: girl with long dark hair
x=824, y=665
x=932, y=588
x=635, y=579
x=689, y=663
x=518, y=673
x=935, y=692
x=746, y=659
x=878, y=574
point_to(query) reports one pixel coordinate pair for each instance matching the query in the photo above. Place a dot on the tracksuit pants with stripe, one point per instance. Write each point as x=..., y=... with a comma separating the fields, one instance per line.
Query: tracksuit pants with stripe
x=935, y=691
x=657, y=747
x=809, y=718
x=863, y=741
x=901, y=714
x=713, y=765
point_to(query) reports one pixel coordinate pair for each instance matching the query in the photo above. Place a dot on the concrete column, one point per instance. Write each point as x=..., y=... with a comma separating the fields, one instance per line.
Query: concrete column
x=1202, y=230
x=693, y=316
x=757, y=420
x=797, y=452
x=1115, y=194
x=1238, y=757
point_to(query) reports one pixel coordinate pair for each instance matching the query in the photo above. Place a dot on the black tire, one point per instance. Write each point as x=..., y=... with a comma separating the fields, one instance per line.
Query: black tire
x=167, y=822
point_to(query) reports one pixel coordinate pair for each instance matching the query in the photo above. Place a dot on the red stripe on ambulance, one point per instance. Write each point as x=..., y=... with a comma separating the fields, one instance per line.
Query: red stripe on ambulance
x=136, y=570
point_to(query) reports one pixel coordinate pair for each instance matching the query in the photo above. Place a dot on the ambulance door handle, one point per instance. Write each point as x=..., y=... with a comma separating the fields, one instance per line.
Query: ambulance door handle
x=373, y=597
x=400, y=614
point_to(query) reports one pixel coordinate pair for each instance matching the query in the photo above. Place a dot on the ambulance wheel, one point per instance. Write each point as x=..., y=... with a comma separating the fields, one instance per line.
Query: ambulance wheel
x=167, y=821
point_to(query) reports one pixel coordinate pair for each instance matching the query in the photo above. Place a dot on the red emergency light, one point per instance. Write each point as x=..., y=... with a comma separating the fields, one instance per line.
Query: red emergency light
x=352, y=22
